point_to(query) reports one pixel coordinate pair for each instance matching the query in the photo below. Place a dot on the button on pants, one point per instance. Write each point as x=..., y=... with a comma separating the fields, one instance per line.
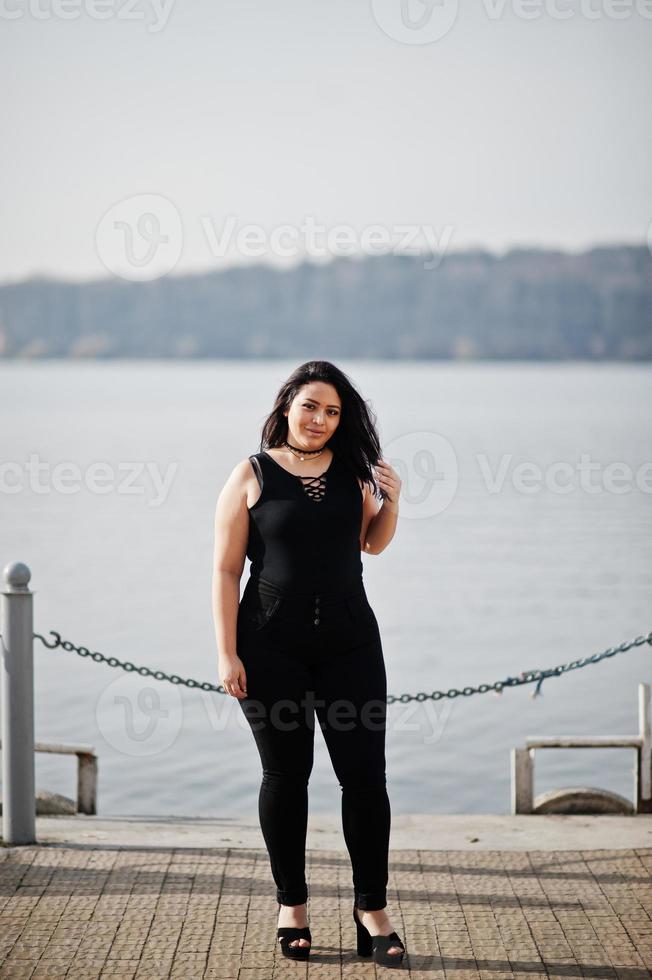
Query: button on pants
x=307, y=655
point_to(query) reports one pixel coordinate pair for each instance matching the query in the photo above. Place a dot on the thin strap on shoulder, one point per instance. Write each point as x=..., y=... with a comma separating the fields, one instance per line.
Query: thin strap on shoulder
x=257, y=470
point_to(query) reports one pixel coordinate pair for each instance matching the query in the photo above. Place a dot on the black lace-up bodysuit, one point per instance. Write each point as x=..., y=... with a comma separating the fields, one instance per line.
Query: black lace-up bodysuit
x=304, y=532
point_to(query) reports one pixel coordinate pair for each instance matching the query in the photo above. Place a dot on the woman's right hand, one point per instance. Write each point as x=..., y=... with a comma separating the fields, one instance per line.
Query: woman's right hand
x=233, y=676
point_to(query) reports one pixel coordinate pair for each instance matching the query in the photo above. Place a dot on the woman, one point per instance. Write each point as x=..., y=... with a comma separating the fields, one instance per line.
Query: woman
x=304, y=638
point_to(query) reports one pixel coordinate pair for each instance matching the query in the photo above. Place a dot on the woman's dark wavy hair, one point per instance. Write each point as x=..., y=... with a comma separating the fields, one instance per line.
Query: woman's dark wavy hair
x=355, y=441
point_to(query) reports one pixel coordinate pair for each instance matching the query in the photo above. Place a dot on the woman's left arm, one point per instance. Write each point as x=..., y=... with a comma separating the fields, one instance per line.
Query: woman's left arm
x=381, y=524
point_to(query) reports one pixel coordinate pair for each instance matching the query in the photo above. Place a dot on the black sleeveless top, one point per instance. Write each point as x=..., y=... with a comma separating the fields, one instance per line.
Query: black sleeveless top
x=304, y=532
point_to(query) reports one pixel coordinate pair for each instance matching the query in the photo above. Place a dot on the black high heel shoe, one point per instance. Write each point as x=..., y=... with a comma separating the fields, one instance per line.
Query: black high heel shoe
x=287, y=934
x=378, y=945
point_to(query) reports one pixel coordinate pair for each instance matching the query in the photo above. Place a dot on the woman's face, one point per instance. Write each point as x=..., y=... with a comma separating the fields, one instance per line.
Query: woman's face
x=313, y=415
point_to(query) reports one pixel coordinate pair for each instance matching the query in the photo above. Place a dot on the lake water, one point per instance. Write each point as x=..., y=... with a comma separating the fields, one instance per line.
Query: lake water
x=554, y=564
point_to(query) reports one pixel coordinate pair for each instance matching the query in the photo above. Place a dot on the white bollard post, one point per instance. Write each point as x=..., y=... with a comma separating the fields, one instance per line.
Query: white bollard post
x=644, y=768
x=16, y=626
x=522, y=781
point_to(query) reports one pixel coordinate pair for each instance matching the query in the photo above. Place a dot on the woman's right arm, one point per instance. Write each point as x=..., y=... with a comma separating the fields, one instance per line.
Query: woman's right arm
x=231, y=535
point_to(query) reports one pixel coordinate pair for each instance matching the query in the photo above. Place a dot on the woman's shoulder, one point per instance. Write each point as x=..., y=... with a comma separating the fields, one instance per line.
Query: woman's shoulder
x=243, y=480
x=245, y=470
x=244, y=464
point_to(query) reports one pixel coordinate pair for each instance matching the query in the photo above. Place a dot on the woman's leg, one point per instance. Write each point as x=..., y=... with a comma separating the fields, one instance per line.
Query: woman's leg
x=284, y=734
x=351, y=692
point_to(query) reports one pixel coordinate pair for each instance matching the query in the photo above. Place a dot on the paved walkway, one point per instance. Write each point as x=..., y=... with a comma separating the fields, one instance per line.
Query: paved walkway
x=85, y=910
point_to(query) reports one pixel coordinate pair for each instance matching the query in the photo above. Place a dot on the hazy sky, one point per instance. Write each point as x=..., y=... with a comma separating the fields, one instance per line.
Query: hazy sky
x=501, y=123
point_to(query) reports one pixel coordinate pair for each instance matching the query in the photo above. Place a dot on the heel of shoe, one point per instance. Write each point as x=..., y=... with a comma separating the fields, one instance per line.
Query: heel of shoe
x=363, y=937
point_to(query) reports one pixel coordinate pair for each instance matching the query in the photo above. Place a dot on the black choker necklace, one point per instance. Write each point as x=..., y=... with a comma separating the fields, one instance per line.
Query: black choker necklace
x=303, y=452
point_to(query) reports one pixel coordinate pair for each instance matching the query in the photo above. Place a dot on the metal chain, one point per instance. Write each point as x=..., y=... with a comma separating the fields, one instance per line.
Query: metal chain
x=525, y=677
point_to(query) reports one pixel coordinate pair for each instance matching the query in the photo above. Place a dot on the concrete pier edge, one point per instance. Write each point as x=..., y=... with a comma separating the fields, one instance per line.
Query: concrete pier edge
x=446, y=832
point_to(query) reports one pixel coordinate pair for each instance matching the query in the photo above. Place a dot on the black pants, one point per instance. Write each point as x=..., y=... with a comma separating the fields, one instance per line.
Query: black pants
x=317, y=654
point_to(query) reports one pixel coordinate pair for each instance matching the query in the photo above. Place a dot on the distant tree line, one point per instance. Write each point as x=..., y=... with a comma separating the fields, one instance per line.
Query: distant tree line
x=529, y=303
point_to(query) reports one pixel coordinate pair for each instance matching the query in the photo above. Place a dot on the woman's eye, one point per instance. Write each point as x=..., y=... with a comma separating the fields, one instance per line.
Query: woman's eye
x=311, y=407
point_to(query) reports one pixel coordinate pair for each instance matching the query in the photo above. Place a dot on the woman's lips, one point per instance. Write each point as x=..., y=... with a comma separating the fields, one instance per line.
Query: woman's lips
x=313, y=432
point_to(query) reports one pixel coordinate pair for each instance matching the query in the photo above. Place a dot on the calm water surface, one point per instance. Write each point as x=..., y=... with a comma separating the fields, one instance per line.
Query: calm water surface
x=479, y=583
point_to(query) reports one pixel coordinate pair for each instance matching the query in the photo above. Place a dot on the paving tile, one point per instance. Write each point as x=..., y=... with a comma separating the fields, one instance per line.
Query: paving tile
x=190, y=913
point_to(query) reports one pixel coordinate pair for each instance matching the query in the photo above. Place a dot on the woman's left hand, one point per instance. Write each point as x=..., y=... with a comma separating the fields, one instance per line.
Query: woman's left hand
x=388, y=480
